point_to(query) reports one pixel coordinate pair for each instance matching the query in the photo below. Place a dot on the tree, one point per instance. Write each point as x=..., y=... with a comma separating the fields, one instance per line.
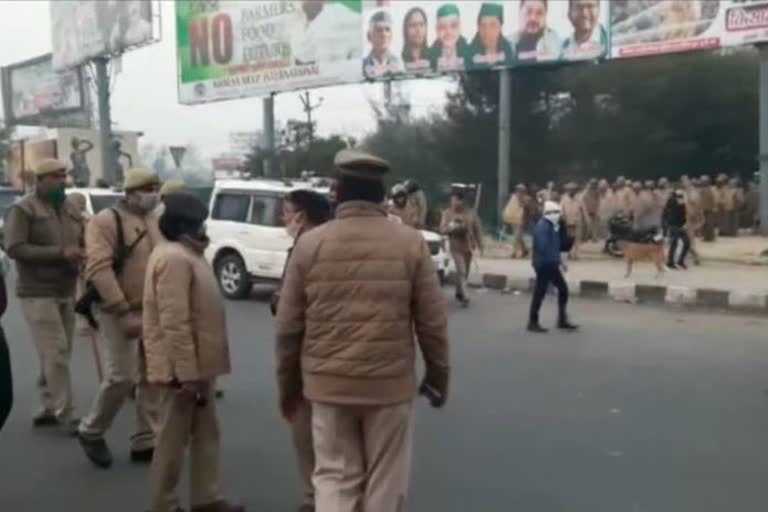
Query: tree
x=295, y=153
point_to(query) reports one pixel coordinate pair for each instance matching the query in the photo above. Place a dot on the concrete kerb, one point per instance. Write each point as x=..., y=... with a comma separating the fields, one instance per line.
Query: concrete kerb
x=629, y=292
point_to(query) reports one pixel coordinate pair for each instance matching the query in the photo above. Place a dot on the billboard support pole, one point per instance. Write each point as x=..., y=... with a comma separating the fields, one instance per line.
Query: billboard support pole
x=105, y=119
x=763, y=138
x=268, y=121
x=505, y=115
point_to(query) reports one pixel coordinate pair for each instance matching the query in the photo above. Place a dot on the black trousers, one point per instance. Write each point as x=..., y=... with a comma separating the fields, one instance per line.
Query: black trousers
x=6, y=381
x=546, y=275
x=677, y=235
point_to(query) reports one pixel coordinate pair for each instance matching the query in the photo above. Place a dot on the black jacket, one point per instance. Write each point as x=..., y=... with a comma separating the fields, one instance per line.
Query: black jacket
x=674, y=213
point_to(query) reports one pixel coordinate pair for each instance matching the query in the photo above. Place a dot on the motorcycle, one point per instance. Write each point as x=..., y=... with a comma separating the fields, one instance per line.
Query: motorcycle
x=620, y=231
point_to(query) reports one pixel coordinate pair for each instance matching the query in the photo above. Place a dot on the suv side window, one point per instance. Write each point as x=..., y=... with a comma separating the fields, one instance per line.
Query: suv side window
x=264, y=211
x=232, y=207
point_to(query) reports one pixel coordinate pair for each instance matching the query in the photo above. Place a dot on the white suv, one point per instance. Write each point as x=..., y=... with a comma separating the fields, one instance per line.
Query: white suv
x=248, y=239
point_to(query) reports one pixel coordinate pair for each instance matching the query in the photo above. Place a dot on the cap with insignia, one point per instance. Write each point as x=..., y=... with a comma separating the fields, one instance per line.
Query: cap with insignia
x=491, y=10
x=172, y=186
x=139, y=177
x=447, y=10
x=352, y=162
x=49, y=166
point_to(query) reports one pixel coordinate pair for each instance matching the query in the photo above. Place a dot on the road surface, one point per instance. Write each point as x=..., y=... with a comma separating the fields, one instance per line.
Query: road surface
x=644, y=410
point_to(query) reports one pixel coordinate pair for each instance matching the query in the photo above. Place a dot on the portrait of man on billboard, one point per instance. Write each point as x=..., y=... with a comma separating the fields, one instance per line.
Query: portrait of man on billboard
x=450, y=49
x=490, y=48
x=325, y=32
x=124, y=23
x=589, y=39
x=415, y=46
x=535, y=41
x=381, y=61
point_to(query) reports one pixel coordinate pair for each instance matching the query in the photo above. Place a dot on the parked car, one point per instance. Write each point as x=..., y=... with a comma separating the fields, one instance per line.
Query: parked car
x=248, y=240
x=97, y=199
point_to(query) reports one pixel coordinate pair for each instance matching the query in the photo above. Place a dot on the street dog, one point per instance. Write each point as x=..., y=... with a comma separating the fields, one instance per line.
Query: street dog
x=650, y=252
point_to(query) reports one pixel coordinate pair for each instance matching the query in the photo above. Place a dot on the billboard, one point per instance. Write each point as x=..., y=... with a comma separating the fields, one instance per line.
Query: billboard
x=84, y=29
x=34, y=93
x=232, y=49
x=652, y=27
x=430, y=37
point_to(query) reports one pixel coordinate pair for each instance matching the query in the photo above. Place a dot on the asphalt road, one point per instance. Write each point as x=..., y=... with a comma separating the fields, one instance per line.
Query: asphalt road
x=643, y=410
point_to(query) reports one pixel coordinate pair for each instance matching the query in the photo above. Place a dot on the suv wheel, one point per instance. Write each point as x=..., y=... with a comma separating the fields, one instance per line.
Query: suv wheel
x=234, y=281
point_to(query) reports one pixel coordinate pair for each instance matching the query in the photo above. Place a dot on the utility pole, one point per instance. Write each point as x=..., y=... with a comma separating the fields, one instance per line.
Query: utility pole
x=763, y=137
x=105, y=119
x=306, y=100
x=268, y=126
x=505, y=117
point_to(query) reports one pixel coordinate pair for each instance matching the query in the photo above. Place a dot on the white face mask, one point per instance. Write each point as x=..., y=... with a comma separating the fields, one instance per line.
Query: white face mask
x=553, y=217
x=147, y=201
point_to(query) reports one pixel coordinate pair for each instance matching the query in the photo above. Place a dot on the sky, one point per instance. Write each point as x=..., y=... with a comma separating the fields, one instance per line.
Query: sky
x=144, y=96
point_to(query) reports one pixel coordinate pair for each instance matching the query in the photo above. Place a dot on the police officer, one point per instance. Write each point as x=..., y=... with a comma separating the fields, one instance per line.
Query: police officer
x=121, y=291
x=44, y=234
x=186, y=345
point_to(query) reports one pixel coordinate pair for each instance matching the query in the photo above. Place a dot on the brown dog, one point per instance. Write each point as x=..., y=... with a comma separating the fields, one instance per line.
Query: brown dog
x=652, y=253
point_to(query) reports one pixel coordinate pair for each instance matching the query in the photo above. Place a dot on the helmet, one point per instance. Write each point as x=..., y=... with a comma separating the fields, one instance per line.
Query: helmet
x=398, y=190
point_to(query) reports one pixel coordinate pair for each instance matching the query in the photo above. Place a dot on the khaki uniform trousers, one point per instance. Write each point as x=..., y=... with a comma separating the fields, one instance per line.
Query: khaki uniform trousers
x=462, y=261
x=301, y=434
x=51, y=323
x=183, y=423
x=363, y=457
x=577, y=232
x=123, y=370
x=518, y=241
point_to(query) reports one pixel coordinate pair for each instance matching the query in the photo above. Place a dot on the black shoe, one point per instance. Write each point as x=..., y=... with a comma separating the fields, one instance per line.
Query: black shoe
x=219, y=393
x=537, y=328
x=45, y=419
x=142, y=456
x=672, y=266
x=463, y=300
x=97, y=451
x=565, y=325
x=682, y=266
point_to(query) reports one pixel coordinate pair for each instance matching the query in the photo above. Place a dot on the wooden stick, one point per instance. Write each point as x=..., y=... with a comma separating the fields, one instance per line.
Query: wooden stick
x=94, y=337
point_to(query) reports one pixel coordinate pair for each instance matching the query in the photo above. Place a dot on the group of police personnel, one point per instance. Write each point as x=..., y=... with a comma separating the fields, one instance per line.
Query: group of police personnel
x=347, y=326
x=713, y=207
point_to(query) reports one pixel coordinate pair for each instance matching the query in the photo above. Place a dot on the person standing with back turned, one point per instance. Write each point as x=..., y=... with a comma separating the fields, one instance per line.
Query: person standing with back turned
x=347, y=324
x=44, y=235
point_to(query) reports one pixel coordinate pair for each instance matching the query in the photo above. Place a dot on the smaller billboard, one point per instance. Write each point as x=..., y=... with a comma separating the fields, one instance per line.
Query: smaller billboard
x=35, y=94
x=85, y=29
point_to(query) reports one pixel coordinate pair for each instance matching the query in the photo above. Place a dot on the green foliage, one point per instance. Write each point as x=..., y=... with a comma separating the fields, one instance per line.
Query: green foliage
x=643, y=118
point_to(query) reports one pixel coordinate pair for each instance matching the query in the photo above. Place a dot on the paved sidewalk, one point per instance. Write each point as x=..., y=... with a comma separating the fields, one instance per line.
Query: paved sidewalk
x=724, y=285
x=745, y=250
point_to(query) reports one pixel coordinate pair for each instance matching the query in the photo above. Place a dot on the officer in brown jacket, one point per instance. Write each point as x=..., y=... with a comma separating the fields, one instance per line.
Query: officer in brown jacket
x=44, y=235
x=186, y=346
x=120, y=315
x=347, y=326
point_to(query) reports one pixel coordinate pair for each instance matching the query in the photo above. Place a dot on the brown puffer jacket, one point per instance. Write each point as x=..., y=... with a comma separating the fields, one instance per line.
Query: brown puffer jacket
x=356, y=293
x=185, y=328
